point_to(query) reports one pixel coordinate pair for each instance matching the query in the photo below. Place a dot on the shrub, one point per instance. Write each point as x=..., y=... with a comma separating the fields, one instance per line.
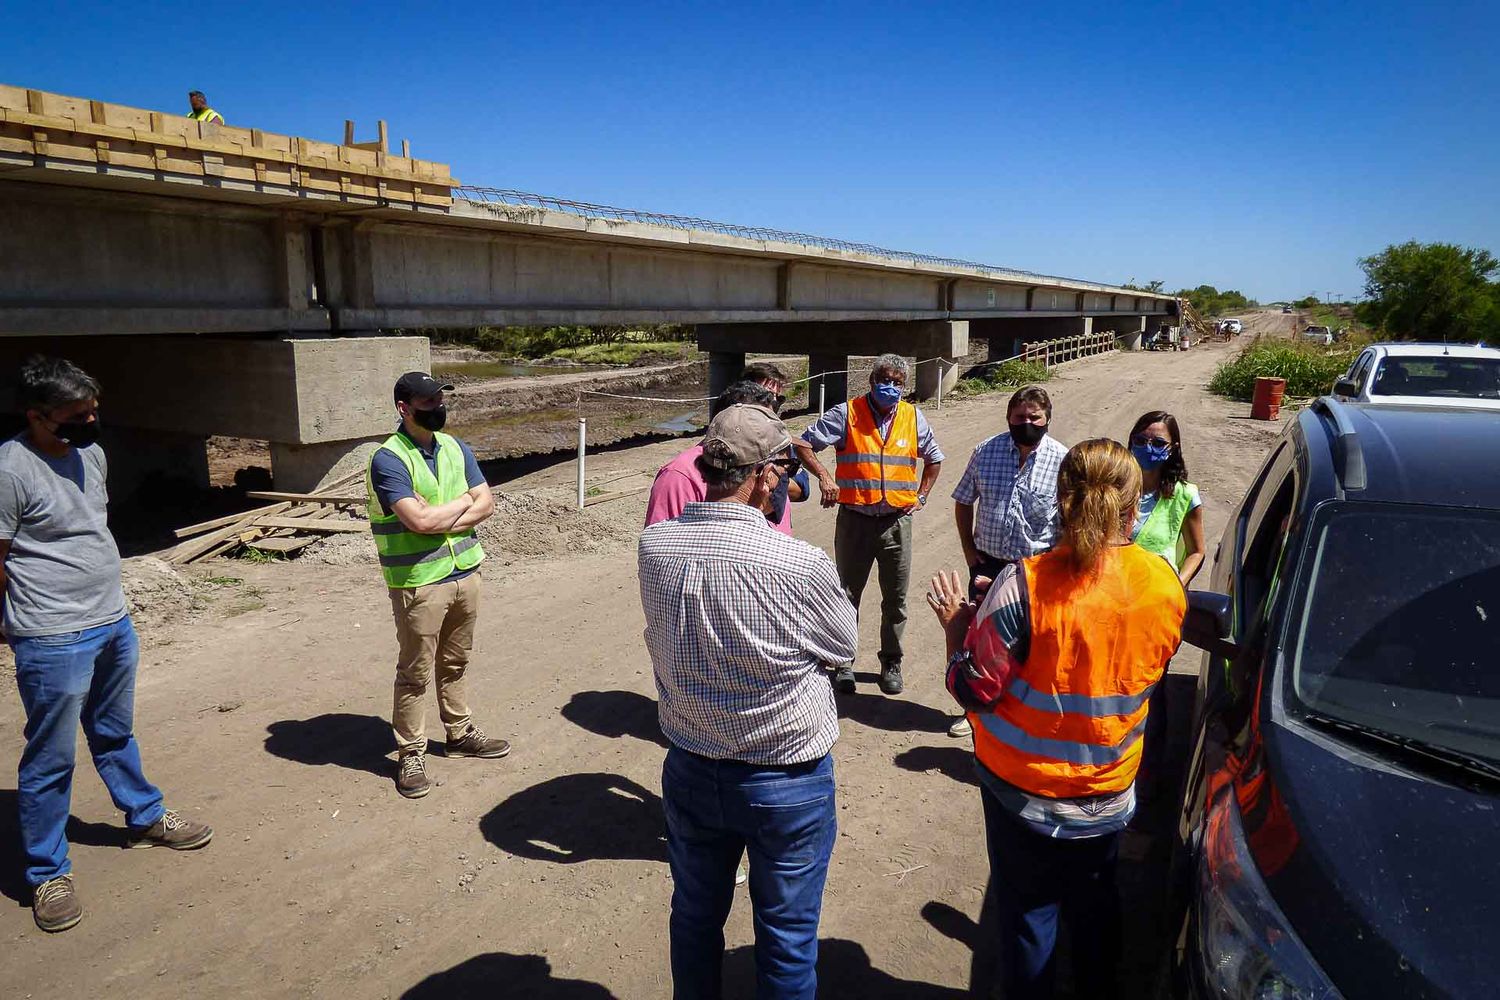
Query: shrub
x=1006, y=374
x=1309, y=369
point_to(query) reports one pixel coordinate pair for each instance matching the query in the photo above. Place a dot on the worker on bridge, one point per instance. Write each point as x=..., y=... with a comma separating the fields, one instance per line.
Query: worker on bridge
x=200, y=111
x=879, y=437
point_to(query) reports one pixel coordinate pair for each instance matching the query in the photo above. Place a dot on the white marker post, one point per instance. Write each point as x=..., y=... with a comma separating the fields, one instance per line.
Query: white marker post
x=583, y=429
x=822, y=407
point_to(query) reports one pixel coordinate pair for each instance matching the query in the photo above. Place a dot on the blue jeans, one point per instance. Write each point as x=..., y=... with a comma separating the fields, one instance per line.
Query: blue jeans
x=784, y=817
x=1033, y=880
x=65, y=679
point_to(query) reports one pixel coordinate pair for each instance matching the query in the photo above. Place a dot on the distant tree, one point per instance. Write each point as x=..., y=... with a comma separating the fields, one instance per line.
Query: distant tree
x=1432, y=291
x=1307, y=303
x=1209, y=301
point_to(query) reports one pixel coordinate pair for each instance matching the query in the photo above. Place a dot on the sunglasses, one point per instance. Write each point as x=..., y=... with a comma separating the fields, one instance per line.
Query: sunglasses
x=1141, y=440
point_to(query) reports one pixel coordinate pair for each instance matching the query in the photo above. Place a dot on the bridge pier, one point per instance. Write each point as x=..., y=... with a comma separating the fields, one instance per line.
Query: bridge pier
x=829, y=344
x=321, y=403
x=723, y=368
x=1131, y=328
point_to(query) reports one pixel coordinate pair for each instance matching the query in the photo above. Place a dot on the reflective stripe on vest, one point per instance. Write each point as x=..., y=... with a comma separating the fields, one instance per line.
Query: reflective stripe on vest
x=1071, y=720
x=408, y=558
x=871, y=469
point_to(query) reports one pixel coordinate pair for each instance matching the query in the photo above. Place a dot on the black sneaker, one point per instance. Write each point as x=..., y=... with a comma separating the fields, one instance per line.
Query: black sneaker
x=843, y=679
x=890, y=678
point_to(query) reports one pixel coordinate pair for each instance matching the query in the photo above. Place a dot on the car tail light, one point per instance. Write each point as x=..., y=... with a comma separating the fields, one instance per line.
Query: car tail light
x=1246, y=949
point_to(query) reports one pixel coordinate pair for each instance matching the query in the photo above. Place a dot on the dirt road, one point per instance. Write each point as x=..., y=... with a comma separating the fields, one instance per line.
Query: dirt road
x=543, y=874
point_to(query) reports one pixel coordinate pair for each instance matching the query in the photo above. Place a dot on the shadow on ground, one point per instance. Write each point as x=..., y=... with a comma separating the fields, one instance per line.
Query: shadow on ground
x=580, y=817
x=13, y=882
x=615, y=714
x=868, y=707
x=358, y=742
x=498, y=974
x=956, y=761
x=844, y=970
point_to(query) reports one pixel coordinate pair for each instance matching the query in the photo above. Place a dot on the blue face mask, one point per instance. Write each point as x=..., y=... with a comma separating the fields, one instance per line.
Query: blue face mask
x=886, y=395
x=779, y=500
x=1151, y=456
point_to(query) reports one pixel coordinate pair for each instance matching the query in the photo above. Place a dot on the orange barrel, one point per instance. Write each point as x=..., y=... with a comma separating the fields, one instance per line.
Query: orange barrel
x=1266, y=404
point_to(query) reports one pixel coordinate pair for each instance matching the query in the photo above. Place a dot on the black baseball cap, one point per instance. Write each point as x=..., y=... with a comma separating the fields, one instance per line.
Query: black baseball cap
x=419, y=385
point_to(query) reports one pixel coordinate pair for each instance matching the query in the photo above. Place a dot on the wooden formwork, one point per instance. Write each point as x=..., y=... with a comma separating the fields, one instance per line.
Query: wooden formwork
x=53, y=127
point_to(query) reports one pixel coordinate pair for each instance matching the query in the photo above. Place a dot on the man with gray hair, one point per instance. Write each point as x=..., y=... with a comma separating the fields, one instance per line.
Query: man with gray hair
x=878, y=437
x=740, y=621
x=66, y=620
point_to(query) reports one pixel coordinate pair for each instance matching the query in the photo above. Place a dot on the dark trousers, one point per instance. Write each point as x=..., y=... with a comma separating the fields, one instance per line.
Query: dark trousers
x=1034, y=880
x=884, y=541
x=784, y=818
x=987, y=565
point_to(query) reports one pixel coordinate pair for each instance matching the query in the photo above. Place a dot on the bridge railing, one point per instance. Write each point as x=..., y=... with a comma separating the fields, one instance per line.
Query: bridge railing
x=1064, y=349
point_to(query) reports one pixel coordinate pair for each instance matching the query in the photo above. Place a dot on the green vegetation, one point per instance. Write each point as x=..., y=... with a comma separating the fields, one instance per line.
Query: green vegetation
x=1432, y=291
x=540, y=341
x=254, y=555
x=1209, y=301
x=628, y=353
x=1309, y=369
x=1310, y=302
x=1006, y=375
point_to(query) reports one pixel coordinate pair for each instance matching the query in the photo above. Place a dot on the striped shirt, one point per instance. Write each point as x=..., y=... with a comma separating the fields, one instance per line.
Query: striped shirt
x=999, y=642
x=740, y=621
x=1015, y=503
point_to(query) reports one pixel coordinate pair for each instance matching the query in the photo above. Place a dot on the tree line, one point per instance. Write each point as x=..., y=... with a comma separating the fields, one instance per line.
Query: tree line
x=1432, y=291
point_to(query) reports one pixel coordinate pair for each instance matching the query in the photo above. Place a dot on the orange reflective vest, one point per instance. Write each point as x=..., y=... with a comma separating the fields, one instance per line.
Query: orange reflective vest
x=871, y=468
x=1071, y=719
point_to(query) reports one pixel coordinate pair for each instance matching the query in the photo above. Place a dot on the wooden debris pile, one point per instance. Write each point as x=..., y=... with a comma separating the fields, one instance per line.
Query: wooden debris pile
x=290, y=524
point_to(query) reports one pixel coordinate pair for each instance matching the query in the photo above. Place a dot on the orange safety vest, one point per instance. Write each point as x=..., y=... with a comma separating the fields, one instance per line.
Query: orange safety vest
x=871, y=468
x=1072, y=716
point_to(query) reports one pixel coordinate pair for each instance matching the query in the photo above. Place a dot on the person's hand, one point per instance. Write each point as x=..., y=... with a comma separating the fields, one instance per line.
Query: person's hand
x=982, y=584
x=830, y=490
x=949, y=600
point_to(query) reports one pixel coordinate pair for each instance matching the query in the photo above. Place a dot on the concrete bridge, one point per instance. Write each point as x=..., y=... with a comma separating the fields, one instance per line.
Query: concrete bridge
x=254, y=274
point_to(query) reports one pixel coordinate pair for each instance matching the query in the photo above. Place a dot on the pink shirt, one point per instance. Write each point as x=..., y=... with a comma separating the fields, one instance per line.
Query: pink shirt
x=679, y=483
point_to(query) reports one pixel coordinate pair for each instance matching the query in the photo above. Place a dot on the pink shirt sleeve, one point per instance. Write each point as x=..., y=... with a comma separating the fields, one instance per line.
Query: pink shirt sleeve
x=671, y=492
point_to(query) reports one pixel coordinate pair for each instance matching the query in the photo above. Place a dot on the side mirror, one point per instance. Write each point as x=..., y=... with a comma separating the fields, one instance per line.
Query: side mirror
x=1345, y=387
x=1207, y=624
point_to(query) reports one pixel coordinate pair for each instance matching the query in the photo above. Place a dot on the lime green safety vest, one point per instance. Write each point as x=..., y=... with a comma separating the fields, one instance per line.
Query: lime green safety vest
x=206, y=115
x=409, y=559
x=1162, y=532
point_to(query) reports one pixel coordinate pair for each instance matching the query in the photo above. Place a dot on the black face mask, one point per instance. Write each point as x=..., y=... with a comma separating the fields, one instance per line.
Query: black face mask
x=431, y=420
x=78, y=433
x=1027, y=435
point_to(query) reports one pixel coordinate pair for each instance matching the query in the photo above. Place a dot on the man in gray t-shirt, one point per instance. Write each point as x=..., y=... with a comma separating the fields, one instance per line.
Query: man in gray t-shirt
x=66, y=620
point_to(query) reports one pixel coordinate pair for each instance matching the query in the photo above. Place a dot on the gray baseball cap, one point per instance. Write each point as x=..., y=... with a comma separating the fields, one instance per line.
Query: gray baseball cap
x=744, y=434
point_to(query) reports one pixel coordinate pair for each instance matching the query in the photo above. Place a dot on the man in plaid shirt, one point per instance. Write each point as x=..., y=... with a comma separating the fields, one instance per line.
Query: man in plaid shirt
x=1006, y=502
x=740, y=621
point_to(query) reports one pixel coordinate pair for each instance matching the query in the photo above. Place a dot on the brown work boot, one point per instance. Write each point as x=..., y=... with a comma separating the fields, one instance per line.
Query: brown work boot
x=475, y=744
x=411, y=779
x=55, y=905
x=173, y=831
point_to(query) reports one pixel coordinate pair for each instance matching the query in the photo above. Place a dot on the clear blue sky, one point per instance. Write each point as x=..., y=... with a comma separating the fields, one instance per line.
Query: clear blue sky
x=1259, y=146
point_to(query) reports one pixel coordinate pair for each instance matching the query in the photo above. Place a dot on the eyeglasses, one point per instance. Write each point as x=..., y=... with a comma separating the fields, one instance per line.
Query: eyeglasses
x=1142, y=440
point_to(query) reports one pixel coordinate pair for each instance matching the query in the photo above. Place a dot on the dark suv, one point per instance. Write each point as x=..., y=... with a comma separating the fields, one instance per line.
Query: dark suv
x=1340, y=830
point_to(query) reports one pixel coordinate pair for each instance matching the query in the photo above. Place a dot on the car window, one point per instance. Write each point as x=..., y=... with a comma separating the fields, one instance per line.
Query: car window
x=1361, y=368
x=1266, y=529
x=1438, y=377
x=1400, y=623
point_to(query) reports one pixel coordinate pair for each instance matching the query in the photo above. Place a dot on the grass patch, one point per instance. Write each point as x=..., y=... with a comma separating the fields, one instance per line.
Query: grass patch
x=626, y=353
x=1006, y=375
x=1309, y=369
x=224, y=581
x=254, y=555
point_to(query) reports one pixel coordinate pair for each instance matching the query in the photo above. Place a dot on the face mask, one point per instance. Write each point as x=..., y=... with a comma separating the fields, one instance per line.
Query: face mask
x=431, y=420
x=78, y=433
x=1151, y=456
x=886, y=395
x=1027, y=435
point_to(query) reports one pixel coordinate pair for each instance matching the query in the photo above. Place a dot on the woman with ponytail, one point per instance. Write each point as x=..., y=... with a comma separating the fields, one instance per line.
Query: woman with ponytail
x=1170, y=520
x=1056, y=669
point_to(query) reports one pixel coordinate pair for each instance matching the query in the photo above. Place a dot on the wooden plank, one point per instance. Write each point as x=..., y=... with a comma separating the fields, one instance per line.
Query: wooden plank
x=303, y=497
x=285, y=546
x=228, y=519
x=605, y=497
x=311, y=524
x=195, y=547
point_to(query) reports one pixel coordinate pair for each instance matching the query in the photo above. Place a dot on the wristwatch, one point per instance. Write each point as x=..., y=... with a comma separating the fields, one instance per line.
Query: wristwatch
x=921, y=499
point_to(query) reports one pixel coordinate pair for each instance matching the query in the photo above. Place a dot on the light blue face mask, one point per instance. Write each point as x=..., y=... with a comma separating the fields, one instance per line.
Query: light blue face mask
x=886, y=395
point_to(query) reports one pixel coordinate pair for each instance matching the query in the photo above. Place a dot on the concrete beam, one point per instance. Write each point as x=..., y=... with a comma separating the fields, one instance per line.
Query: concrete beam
x=922, y=339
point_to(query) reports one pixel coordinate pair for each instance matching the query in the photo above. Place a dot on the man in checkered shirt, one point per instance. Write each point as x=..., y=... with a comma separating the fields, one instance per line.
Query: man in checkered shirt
x=740, y=621
x=1006, y=502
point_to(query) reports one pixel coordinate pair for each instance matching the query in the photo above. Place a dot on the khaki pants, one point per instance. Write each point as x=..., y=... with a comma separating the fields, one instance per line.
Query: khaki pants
x=435, y=631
